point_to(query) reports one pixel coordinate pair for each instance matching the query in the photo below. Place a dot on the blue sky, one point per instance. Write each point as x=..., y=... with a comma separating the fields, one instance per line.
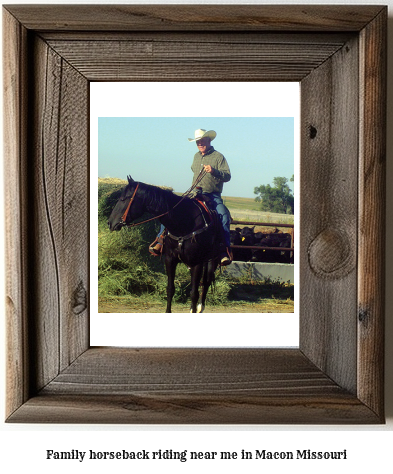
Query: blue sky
x=141, y=129
x=155, y=150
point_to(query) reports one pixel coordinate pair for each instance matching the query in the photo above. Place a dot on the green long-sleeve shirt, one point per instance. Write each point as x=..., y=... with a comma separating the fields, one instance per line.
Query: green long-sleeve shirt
x=211, y=182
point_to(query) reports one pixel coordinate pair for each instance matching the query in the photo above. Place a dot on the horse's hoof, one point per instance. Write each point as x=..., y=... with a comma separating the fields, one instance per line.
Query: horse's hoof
x=200, y=308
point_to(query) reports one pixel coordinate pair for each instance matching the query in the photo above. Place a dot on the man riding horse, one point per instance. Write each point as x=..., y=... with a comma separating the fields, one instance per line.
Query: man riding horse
x=217, y=173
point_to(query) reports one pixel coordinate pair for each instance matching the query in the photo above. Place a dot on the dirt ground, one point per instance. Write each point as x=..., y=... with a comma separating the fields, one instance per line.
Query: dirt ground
x=268, y=306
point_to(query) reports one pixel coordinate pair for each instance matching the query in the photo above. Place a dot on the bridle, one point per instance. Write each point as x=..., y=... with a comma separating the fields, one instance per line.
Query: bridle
x=124, y=216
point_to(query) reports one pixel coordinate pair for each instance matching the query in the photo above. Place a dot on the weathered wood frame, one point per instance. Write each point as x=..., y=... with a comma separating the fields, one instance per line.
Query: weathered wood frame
x=338, y=54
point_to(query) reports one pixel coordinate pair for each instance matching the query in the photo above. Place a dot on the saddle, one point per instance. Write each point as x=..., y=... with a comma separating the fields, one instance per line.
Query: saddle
x=204, y=201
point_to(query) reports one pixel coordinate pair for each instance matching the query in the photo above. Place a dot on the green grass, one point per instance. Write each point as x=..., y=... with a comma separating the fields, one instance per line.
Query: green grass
x=248, y=204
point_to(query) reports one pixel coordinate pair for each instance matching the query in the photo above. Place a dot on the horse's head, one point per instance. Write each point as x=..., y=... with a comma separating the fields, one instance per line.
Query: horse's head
x=127, y=208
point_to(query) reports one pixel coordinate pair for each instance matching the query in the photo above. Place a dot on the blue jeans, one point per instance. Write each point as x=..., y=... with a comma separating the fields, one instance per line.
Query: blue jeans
x=216, y=204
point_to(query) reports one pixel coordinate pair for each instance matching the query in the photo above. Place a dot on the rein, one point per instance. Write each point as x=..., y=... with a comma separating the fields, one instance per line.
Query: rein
x=186, y=194
x=124, y=216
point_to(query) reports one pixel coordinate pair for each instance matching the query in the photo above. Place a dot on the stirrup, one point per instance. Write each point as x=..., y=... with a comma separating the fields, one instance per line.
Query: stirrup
x=155, y=248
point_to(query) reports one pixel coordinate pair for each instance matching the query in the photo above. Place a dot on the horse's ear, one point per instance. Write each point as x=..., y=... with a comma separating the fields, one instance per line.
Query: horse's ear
x=130, y=180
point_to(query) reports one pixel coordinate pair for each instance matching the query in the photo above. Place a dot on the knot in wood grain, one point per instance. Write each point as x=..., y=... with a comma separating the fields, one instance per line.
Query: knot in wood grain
x=330, y=254
x=364, y=316
x=79, y=299
x=313, y=132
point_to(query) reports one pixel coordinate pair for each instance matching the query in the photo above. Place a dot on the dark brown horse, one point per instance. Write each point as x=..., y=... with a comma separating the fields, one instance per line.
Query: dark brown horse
x=192, y=237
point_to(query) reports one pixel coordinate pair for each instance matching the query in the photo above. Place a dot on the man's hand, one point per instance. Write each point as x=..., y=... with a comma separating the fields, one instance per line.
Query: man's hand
x=208, y=169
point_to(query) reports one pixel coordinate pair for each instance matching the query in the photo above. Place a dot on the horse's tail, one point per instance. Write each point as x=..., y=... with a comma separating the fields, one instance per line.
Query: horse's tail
x=206, y=276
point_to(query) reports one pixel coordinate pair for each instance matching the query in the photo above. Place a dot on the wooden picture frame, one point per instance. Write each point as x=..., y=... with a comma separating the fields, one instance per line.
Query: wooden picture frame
x=338, y=54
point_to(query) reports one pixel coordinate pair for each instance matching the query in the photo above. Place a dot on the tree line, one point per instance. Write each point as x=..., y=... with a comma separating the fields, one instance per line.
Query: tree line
x=277, y=198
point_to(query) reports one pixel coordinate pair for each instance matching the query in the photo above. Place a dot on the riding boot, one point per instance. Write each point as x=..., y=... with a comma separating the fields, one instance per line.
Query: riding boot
x=155, y=247
x=226, y=256
x=225, y=252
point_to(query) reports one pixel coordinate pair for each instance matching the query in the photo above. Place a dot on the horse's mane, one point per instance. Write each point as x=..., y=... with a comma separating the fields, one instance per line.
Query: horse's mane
x=158, y=198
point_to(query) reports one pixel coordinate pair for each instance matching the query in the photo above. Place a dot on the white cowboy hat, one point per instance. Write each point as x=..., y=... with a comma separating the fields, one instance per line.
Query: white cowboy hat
x=201, y=133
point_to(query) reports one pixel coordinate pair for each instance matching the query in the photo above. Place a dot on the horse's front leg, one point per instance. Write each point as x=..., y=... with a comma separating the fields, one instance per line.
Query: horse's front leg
x=196, y=274
x=170, y=266
x=208, y=279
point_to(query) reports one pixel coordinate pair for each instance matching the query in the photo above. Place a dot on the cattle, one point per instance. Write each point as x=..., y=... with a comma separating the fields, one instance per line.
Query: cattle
x=285, y=256
x=236, y=240
x=248, y=237
x=274, y=239
x=239, y=255
x=265, y=255
x=235, y=236
x=262, y=255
